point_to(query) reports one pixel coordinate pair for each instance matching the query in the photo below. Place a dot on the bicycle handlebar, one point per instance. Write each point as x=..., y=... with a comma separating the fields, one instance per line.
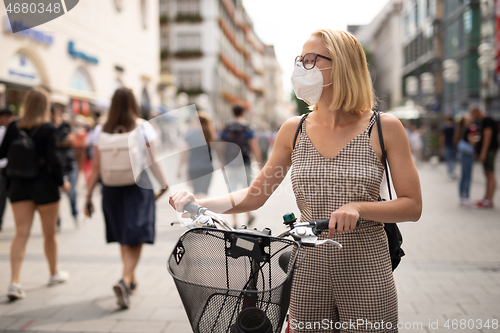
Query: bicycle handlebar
x=193, y=208
x=306, y=232
x=323, y=224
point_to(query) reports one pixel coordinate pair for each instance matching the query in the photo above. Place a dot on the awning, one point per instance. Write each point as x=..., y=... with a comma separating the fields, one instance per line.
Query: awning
x=60, y=98
x=409, y=111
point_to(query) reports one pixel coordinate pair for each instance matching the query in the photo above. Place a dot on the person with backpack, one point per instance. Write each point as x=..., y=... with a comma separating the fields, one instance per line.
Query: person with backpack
x=338, y=154
x=197, y=153
x=128, y=203
x=35, y=175
x=240, y=138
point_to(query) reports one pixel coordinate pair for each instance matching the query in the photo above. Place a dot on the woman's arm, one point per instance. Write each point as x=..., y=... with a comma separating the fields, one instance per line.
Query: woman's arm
x=470, y=138
x=263, y=186
x=10, y=133
x=94, y=175
x=156, y=169
x=408, y=205
x=53, y=160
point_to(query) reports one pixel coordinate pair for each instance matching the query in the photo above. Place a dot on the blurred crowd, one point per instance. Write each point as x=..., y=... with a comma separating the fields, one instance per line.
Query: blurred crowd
x=46, y=151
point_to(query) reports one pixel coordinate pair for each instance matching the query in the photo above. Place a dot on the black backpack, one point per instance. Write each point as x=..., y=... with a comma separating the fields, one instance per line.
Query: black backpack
x=236, y=133
x=394, y=236
x=23, y=162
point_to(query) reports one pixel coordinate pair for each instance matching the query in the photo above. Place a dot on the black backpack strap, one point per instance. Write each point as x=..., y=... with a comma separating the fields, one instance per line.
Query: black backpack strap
x=298, y=129
x=384, y=155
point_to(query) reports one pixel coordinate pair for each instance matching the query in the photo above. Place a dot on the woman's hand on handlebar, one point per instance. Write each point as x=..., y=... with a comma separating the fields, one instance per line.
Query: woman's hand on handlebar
x=179, y=199
x=343, y=219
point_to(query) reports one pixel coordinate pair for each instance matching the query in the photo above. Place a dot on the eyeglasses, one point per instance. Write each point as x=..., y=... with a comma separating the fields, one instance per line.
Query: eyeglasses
x=309, y=60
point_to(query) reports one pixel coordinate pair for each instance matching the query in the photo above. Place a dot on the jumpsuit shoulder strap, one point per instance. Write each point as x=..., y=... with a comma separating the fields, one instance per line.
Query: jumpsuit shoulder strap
x=298, y=129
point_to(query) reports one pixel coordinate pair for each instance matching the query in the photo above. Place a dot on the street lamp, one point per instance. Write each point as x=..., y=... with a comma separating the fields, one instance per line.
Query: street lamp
x=428, y=88
x=411, y=85
x=488, y=64
x=450, y=73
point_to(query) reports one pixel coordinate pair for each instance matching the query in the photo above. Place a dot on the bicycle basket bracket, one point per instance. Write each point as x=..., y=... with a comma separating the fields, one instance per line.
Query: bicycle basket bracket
x=238, y=245
x=179, y=252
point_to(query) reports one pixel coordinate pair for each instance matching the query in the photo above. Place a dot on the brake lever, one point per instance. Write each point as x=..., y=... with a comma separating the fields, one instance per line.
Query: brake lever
x=329, y=241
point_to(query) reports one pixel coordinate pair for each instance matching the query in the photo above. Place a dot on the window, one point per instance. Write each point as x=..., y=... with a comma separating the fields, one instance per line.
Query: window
x=163, y=7
x=119, y=5
x=452, y=41
x=188, y=42
x=189, y=79
x=467, y=21
x=164, y=41
x=81, y=81
x=188, y=7
x=144, y=13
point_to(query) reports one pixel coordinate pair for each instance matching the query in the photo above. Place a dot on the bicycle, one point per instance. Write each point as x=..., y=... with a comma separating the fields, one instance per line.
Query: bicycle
x=238, y=281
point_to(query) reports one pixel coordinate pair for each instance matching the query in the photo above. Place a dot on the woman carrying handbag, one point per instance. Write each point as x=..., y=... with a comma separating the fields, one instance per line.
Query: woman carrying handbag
x=336, y=174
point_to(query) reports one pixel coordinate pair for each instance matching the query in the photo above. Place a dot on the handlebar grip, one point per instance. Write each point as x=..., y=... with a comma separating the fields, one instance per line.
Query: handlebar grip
x=323, y=224
x=192, y=208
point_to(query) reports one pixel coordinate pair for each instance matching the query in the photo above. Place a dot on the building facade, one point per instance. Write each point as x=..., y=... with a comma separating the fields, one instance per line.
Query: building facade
x=84, y=55
x=461, y=26
x=381, y=38
x=421, y=41
x=489, y=61
x=209, y=48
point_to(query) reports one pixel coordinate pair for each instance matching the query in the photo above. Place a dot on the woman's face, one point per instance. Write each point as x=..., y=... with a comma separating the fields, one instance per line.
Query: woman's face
x=315, y=45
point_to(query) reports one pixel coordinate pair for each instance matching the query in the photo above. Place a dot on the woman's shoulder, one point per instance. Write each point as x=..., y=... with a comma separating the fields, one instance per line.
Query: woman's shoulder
x=390, y=122
x=291, y=124
x=45, y=129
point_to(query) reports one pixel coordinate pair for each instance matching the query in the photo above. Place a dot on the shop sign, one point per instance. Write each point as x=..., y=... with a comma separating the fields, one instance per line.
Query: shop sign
x=33, y=34
x=78, y=54
x=22, y=69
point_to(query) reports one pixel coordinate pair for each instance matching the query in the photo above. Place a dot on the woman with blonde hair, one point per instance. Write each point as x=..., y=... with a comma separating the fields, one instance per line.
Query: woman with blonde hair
x=337, y=172
x=35, y=174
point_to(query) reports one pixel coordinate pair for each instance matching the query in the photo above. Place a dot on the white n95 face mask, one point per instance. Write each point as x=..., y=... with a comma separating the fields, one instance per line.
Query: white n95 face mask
x=308, y=83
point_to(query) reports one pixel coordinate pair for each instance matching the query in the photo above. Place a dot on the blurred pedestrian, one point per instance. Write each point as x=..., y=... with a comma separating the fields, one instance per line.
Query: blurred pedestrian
x=64, y=144
x=447, y=136
x=241, y=138
x=35, y=174
x=416, y=144
x=264, y=135
x=6, y=117
x=79, y=142
x=465, y=149
x=486, y=149
x=198, y=153
x=129, y=210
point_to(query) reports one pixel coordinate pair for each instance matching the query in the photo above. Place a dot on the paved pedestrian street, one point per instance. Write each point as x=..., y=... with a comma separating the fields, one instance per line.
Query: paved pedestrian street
x=449, y=279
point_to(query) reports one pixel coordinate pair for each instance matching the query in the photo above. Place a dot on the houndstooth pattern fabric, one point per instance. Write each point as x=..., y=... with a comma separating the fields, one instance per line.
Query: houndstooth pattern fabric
x=334, y=288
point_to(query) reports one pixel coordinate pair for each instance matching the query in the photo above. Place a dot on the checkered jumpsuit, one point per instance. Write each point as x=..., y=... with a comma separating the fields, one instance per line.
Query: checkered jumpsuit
x=353, y=283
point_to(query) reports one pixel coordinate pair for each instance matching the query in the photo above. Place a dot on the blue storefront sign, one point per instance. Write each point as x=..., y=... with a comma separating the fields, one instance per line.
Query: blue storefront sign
x=33, y=34
x=80, y=55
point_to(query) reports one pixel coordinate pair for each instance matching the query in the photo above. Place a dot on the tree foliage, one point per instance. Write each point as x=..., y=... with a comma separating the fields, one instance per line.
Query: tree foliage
x=301, y=107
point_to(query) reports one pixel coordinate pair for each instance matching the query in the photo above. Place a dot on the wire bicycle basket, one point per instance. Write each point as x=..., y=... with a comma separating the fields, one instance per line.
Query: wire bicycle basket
x=232, y=281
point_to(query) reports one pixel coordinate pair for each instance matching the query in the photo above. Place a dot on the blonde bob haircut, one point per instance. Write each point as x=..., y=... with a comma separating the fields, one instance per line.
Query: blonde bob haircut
x=36, y=109
x=351, y=81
